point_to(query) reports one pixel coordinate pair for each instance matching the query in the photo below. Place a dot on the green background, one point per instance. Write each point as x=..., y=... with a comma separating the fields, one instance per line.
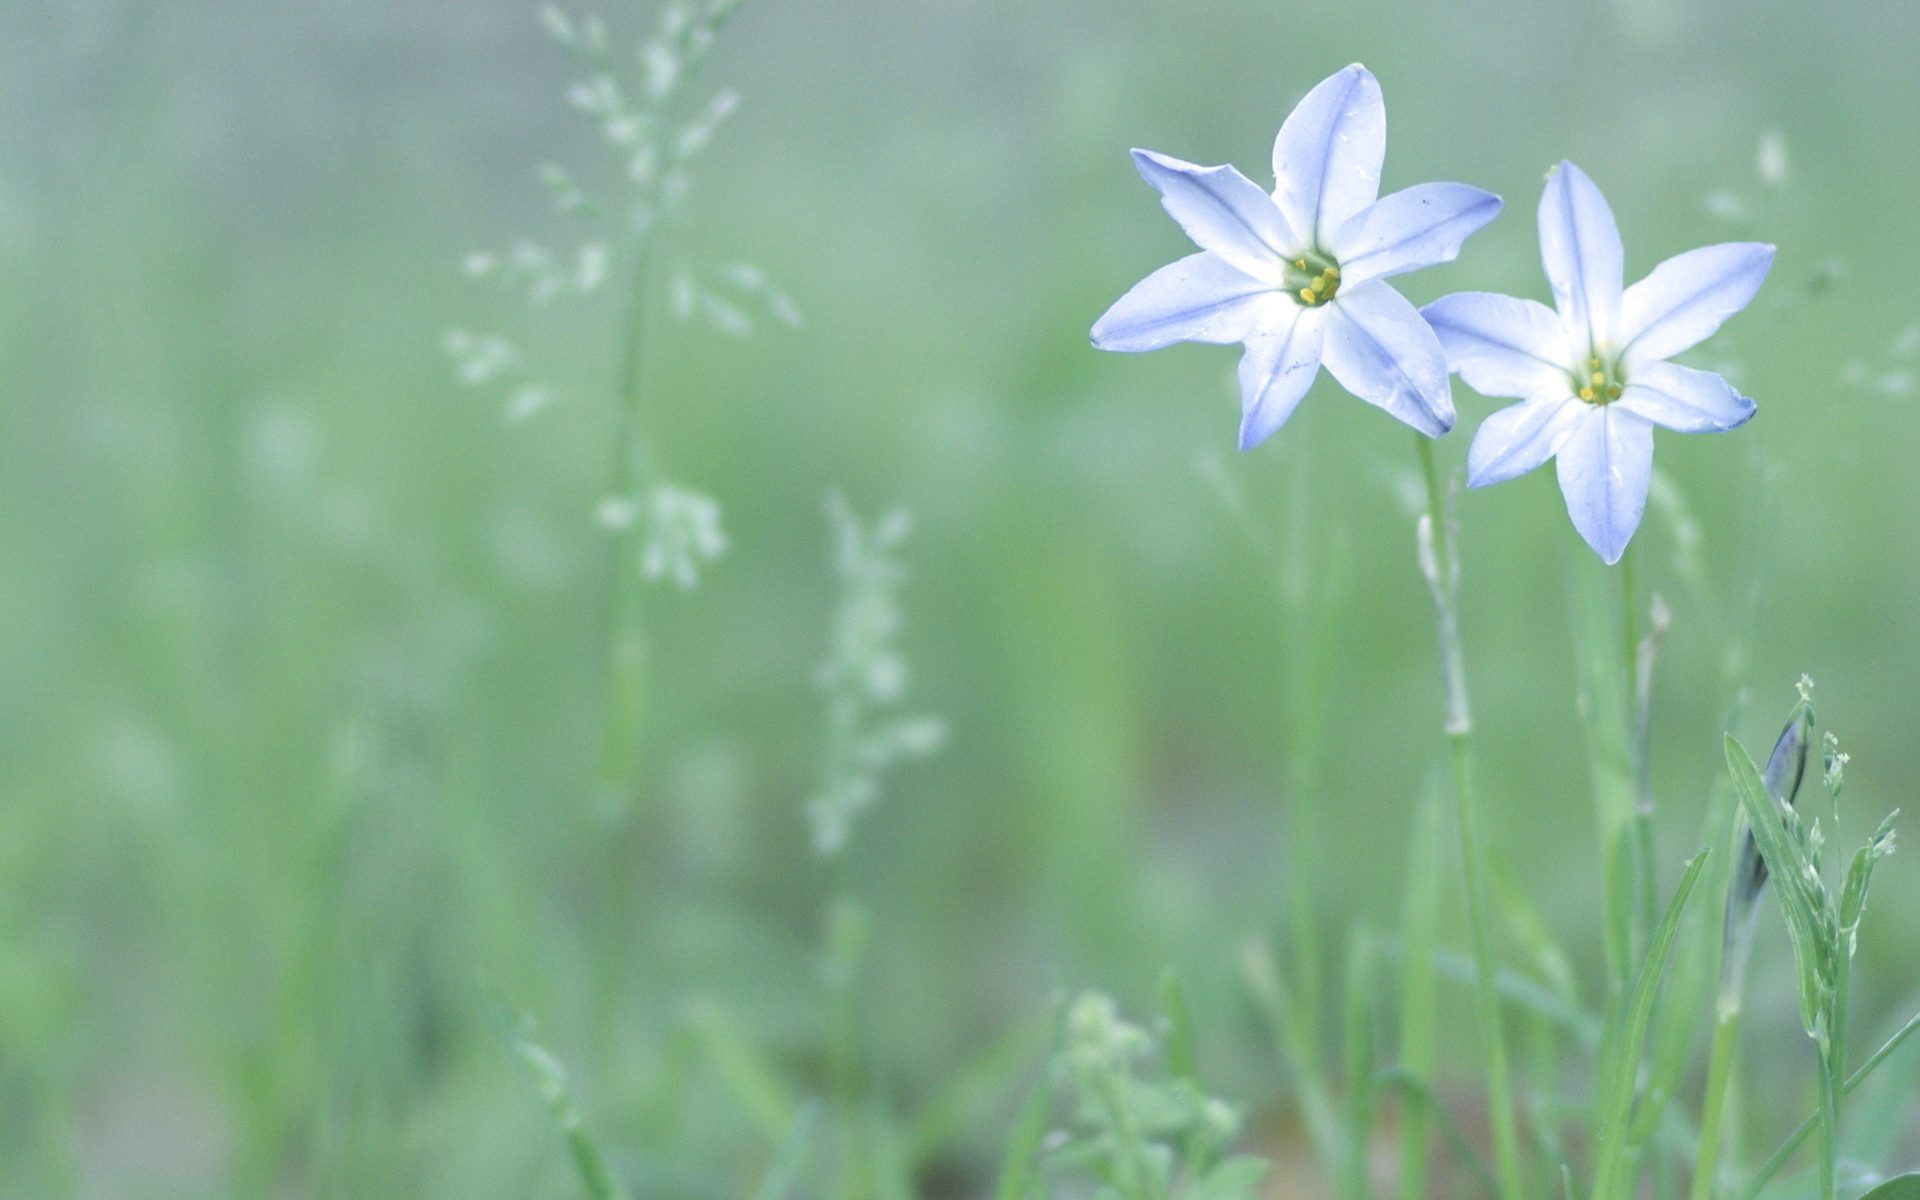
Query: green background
x=299, y=637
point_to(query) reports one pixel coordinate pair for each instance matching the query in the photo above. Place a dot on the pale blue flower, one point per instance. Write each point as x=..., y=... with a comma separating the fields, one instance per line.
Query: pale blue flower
x=1593, y=377
x=1300, y=276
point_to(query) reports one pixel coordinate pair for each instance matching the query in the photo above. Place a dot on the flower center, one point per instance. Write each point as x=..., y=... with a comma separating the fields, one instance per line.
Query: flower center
x=1312, y=279
x=1600, y=383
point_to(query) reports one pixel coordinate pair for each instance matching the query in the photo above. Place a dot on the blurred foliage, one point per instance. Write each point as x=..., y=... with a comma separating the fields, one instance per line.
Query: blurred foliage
x=299, y=638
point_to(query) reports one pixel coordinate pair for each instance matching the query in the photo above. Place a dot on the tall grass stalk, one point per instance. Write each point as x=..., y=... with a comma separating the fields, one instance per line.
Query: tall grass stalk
x=1441, y=567
x=623, y=731
x=1419, y=984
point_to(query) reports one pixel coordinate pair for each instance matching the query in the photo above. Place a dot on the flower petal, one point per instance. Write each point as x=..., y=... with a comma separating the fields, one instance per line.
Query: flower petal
x=1222, y=211
x=1282, y=359
x=1418, y=227
x=1605, y=462
x=1519, y=438
x=1500, y=345
x=1580, y=248
x=1685, y=400
x=1380, y=349
x=1201, y=298
x=1326, y=161
x=1687, y=297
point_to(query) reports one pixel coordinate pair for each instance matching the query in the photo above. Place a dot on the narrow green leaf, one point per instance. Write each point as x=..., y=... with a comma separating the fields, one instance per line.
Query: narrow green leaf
x=755, y=1083
x=1179, y=1043
x=1420, y=1098
x=550, y=1080
x=1619, y=1075
x=790, y=1156
x=1269, y=988
x=978, y=1090
x=1523, y=993
x=1789, y=867
x=1023, y=1151
x=1419, y=985
x=1853, y=896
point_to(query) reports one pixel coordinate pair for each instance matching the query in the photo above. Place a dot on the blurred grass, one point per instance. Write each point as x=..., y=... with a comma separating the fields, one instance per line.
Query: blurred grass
x=297, y=644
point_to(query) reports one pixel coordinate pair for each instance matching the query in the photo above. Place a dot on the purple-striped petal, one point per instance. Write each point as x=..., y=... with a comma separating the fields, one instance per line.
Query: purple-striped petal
x=1201, y=298
x=1282, y=359
x=1605, y=462
x=1687, y=297
x=1580, y=248
x=1326, y=161
x=1684, y=400
x=1418, y=227
x=1382, y=351
x=1222, y=211
x=1519, y=438
x=1500, y=345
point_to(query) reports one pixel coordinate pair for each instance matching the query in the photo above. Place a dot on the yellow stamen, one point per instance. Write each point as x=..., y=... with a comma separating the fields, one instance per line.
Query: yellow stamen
x=1598, y=378
x=1586, y=393
x=1593, y=364
x=1307, y=295
x=1613, y=392
x=1333, y=272
x=1301, y=263
x=1319, y=285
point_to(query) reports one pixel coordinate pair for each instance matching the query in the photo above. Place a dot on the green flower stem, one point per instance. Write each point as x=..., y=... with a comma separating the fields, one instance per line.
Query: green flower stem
x=1441, y=576
x=1639, y=756
x=1772, y=1166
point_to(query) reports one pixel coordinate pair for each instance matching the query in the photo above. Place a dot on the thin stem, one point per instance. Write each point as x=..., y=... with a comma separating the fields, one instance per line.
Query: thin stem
x=1418, y=987
x=1833, y=1070
x=1639, y=745
x=1829, y=1125
x=846, y=936
x=1726, y=1039
x=1499, y=1092
x=1441, y=567
x=1772, y=1166
x=624, y=709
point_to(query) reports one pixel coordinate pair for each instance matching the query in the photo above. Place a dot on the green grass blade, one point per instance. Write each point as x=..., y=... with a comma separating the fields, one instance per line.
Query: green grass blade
x=1788, y=869
x=1419, y=1097
x=978, y=1090
x=1021, y=1166
x=790, y=1156
x=1179, y=1044
x=1419, y=986
x=752, y=1078
x=1269, y=987
x=1523, y=993
x=1619, y=1075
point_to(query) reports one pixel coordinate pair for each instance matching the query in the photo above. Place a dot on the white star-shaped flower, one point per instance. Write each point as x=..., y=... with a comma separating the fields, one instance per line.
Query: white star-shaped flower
x=1593, y=376
x=1300, y=276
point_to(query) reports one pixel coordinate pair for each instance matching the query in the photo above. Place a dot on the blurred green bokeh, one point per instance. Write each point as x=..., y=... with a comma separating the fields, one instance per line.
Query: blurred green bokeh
x=300, y=638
